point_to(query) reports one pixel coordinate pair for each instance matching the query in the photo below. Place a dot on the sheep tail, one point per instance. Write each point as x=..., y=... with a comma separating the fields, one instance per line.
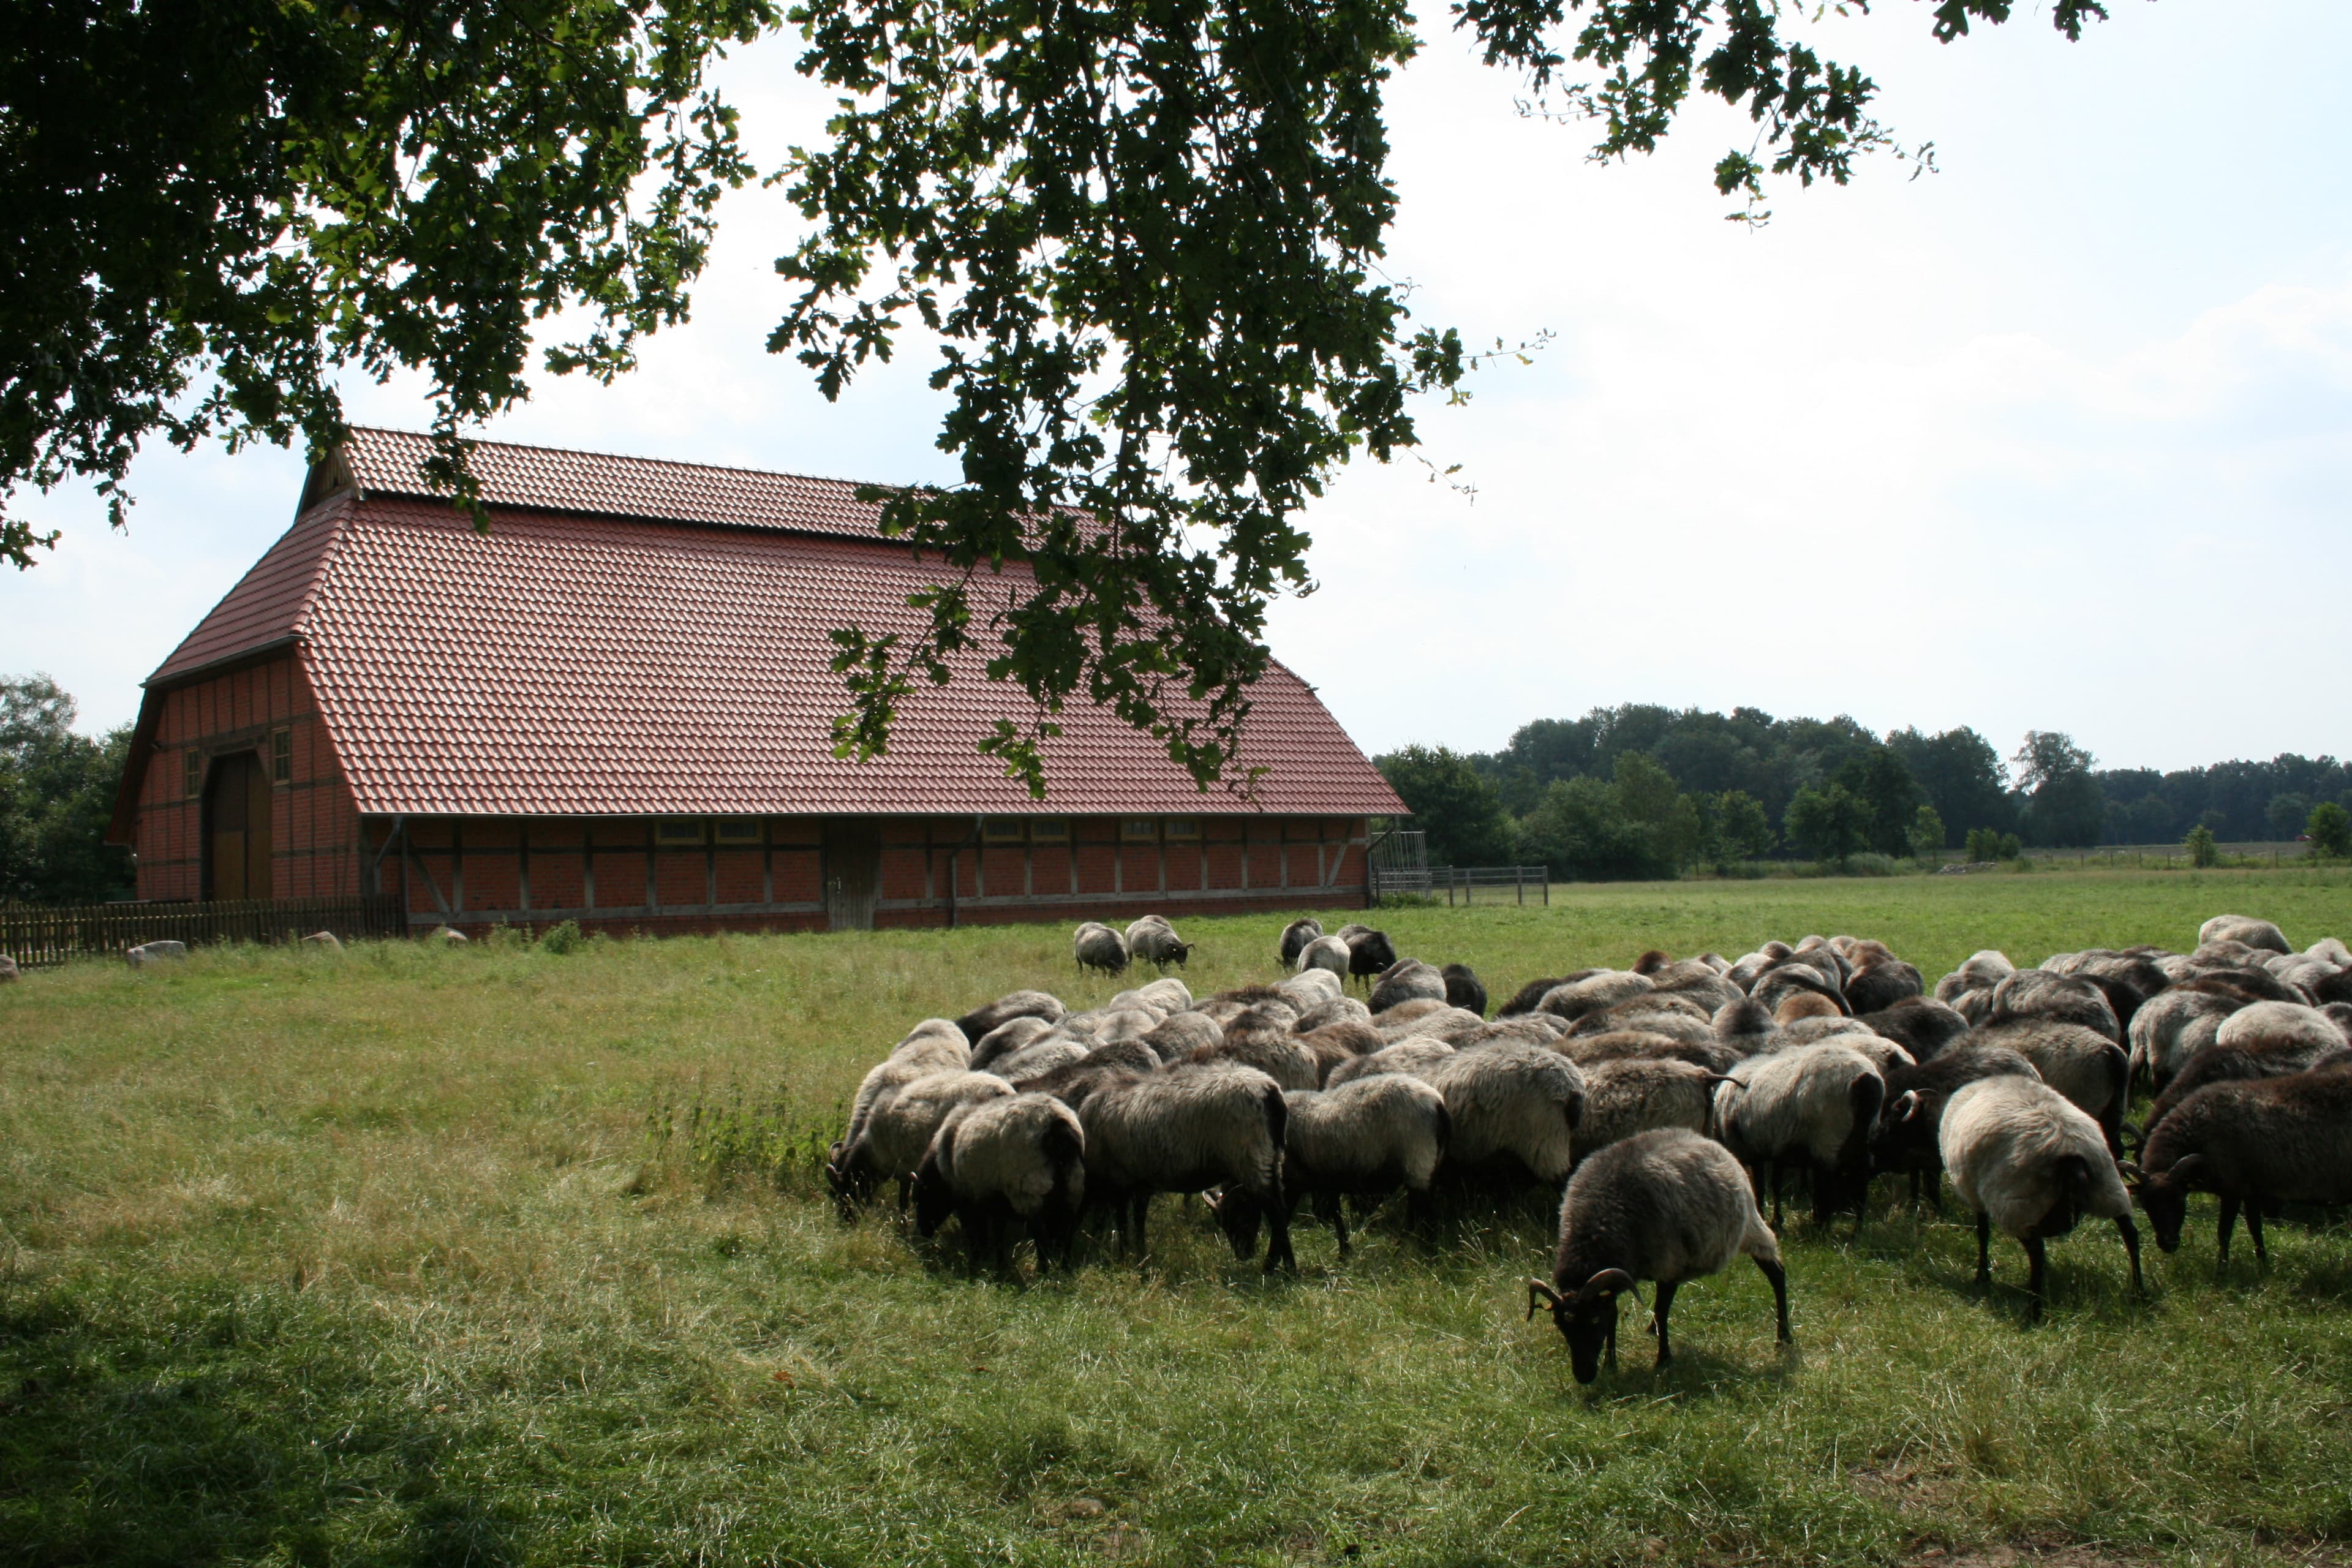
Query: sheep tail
x=1445, y=1127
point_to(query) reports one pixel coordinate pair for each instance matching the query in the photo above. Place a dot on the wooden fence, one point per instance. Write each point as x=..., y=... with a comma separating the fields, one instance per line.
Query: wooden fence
x=34, y=936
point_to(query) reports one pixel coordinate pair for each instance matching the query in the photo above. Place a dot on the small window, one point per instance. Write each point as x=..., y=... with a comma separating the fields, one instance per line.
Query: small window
x=191, y=774
x=1049, y=829
x=737, y=830
x=677, y=830
x=1183, y=827
x=1000, y=830
x=1138, y=829
x=281, y=756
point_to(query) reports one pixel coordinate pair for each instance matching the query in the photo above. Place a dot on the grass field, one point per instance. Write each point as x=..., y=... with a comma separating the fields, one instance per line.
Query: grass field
x=383, y=1257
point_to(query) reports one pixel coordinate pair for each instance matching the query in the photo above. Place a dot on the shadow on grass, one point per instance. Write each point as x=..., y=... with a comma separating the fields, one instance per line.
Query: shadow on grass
x=209, y=1432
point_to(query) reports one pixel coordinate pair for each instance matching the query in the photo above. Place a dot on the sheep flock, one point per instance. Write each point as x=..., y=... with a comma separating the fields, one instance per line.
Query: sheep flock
x=1672, y=1104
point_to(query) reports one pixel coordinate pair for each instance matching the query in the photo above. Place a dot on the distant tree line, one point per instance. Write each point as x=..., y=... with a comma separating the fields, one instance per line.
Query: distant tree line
x=56, y=795
x=1640, y=791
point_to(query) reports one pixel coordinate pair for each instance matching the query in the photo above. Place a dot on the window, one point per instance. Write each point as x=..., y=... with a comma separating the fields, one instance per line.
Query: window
x=737, y=830
x=1183, y=827
x=1000, y=830
x=1138, y=829
x=677, y=830
x=1049, y=829
x=192, y=773
x=281, y=756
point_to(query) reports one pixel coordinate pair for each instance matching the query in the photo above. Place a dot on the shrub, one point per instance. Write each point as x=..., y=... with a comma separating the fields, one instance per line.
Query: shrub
x=562, y=937
x=2329, y=828
x=2203, y=850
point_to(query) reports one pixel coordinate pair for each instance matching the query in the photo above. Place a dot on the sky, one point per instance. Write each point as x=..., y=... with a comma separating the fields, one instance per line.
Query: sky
x=2059, y=436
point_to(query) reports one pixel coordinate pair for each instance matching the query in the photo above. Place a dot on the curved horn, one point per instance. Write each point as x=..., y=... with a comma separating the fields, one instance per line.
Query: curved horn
x=1608, y=1282
x=2130, y=1171
x=2185, y=1167
x=1907, y=1102
x=1537, y=1288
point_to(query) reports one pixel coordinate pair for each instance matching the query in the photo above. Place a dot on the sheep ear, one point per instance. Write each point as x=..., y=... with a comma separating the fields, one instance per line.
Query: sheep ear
x=1538, y=1289
x=1608, y=1282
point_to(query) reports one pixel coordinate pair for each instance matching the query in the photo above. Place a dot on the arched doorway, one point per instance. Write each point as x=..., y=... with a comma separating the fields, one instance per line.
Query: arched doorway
x=237, y=828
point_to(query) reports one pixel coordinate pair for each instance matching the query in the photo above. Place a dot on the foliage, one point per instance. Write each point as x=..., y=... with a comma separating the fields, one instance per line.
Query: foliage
x=2065, y=804
x=2232, y=799
x=1961, y=775
x=2203, y=851
x=1733, y=828
x=1462, y=812
x=2329, y=828
x=1984, y=845
x=1827, y=822
x=1927, y=835
x=562, y=937
x=209, y=213
x=2287, y=813
x=1637, y=826
x=56, y=799
x=1883, y=790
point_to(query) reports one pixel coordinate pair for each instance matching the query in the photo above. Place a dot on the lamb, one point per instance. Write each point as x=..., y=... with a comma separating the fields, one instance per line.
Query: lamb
x=2085, y=1067
x=1667, y=1206
x=1814, y=1106
x=1153, y=940
x=1407, y=980
x=981, y=1022
x=1295, y=938
x=1098, y=947
x=2037, y=993
x=898, y=1130
x=2028, y=1160
x=1463, y=988
x=1363, y=1140
x=1007, y=1037
x=1407, y=1056
x=2245, y=930
x=1630, y=1095
x=1327, y=952
x=994, y=1164
x=1184, y=1131
x=1514, y=1106
x=2255, y=1143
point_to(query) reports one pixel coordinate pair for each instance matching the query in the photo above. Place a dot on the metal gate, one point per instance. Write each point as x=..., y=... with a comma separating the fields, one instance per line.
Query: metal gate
x=853, y=873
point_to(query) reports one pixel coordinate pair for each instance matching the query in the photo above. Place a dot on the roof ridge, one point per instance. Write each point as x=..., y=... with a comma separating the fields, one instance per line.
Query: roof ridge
x=633, y=457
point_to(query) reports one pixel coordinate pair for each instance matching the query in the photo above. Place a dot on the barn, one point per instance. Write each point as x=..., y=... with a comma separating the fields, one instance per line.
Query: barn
x=614, y=707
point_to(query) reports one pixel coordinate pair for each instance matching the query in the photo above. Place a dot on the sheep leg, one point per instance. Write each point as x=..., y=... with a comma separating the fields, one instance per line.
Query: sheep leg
x=1665, y=1305
x=1338, y=1218
x=2229, y=1223
x=2254, y=1229
x=1277, y=1246
x=1984, y=1250
x=2130, y=1232
x=1140, y=1207
x=1778, y=1276
x=1772, y=1180
x=2035, y=1277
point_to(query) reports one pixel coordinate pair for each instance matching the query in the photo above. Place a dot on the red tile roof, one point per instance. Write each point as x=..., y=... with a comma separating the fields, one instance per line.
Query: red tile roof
x=593, y=665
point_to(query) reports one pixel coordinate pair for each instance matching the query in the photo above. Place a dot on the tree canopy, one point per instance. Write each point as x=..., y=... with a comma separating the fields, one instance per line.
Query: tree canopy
x=57, y=795
x=1148, y=240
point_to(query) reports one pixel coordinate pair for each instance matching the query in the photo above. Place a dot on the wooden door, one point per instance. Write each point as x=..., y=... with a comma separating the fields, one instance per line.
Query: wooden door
x=236, y=829
x=853, y=873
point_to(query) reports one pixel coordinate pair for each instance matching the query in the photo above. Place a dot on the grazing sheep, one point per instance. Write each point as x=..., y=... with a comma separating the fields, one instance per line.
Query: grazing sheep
x=2037, y=993
x=2173, y=1027
x=1536, y=1029
x=1463, y=988
x=1097, y=947
x=2255, y=1143
x=1369, y=953
x=1636, y=1094
x=1796, y=1006
x=1777, y=986
x=1182, y=1034
x=1295, y=938
x=1363, y=1141
x=1184, y=1131
x=898, y=1130
x=1227, y=1005
x=1153, y=940
x=933, y=1046
x=2084, y=1066
x=1270, y=1047
x=1452, y=1025
x=1405, y=1017
x=1573, y=999
x=2268, y=1039
x=2244, y=929
x=1332, y=1010
x=1530, y=995
x=1623, y=1044
x=1325, y=952
x=1813, y=1107
x=1746, y=1027
x=1012, y=1160
x=1920, y=1026
x=1877, y=987
x=981, y=1022
x=1514, y=1107
x=1045, y=1054
x=1666, y=1206
x=1408, y=1057
x=1883, y=1054
x=1695, y=983
x=1311, y=988
x=1906, y=1141
x=1666, y=1015
x=1407, y=980
x=2026, y=1159
x=1984, y=970
x=1007, y=1037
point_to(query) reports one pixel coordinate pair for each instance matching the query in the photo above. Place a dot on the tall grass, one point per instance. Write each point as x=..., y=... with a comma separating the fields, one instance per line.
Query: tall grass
x=503, y=1254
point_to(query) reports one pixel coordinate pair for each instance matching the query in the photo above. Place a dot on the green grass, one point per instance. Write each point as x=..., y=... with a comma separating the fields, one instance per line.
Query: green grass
x=414, y=1255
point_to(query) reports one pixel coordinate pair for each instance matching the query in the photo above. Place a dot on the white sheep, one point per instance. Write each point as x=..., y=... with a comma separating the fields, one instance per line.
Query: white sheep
x=2025, y=1158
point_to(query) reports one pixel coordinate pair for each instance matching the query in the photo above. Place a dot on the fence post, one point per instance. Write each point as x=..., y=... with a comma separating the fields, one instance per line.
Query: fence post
x=1520, y=883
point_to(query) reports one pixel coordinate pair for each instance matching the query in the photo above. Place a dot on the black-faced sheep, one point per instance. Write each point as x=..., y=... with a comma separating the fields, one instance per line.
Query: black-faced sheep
x=1464, y=989
x=1514, y=1107
x=2268, y=1039
x=2254, y=1142
x=1295, y=938
x=933, y=1046
x=1185, y=1130
x=1014, y=1160
x=2028, y=1160
x=1097, y=947
x=1906, y=1141
x=1814, y=1108
x=981, y=1022
x=1667, y=1206
x=1407, y=980
x=1369, y=953
x=1153, y=940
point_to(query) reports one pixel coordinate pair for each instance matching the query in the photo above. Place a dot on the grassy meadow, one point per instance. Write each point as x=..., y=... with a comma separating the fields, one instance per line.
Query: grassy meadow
x=409, y=1254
